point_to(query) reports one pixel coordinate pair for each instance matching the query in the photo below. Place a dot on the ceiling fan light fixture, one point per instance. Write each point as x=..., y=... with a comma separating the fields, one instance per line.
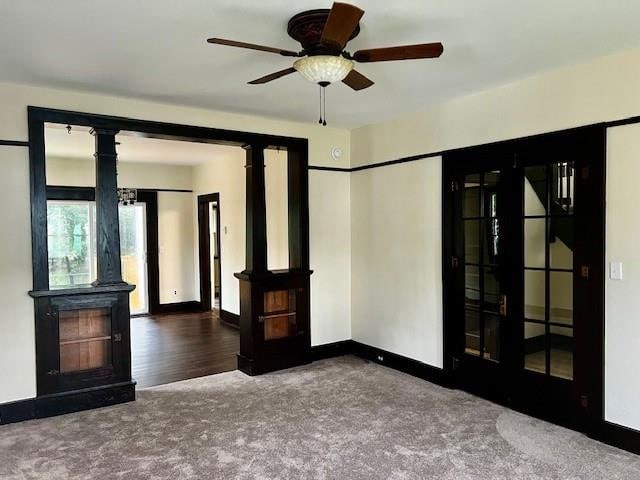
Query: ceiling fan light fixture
x=323, y=69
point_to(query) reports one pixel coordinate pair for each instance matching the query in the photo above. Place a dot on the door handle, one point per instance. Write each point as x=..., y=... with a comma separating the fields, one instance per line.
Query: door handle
x=503, y=305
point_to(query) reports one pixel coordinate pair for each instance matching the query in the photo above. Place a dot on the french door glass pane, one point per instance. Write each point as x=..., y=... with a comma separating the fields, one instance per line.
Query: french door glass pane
x=534, y=242
x=472, y=332
x=561, y=297
x=492, y=337
x=472, y=286
x=472, y=241
x=535, y=190
x=535, y=357
x=561, y=357
x=561, y=242
x=471, y=206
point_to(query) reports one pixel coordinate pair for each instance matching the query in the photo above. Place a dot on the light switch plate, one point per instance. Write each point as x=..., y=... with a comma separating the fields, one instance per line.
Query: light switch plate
x=615, y=270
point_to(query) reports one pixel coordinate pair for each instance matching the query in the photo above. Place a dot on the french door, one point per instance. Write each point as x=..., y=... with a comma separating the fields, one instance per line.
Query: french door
x=523, y=285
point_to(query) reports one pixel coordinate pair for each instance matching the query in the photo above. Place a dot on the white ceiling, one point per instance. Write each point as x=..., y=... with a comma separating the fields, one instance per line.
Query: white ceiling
x=157, y=50
x=80, y=144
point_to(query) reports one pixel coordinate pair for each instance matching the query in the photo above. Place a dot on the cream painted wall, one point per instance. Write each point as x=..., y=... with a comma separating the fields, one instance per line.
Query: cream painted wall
x=225, y=174
x=276, y=197
x=604, y=89
x=329, y=234
x=622, y=301
x=176, y=258
x=396, y=269
x=17, y=344
x=81, y=173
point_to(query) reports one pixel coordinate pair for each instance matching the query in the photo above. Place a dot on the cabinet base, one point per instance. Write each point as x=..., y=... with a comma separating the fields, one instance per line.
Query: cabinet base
x=67, y=402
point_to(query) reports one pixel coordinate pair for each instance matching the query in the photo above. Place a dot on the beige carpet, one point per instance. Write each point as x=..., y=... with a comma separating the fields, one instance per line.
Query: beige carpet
x=336, y=419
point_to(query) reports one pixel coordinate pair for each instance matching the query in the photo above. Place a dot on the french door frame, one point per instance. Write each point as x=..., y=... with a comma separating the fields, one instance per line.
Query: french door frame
x=507, y=384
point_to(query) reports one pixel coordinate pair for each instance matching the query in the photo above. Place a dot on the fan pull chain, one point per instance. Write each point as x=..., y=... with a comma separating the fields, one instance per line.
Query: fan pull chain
x=320, y=104
x=324, y=106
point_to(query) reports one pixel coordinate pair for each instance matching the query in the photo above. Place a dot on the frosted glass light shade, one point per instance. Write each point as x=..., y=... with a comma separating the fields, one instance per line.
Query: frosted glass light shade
x=323, y=68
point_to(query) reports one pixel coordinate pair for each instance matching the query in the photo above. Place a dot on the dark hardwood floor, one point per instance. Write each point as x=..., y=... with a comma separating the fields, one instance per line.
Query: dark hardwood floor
x=171, y=347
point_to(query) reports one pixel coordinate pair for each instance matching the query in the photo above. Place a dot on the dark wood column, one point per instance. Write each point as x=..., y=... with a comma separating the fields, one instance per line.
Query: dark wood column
x=256, y=215
x=109, y=271
x=298, y=201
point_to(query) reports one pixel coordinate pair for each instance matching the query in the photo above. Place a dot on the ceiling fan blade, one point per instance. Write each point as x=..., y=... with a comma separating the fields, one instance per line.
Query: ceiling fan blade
x=405, y=52
x=341, y=23
x=272, y=76
x=252, y=46
x=357, y=81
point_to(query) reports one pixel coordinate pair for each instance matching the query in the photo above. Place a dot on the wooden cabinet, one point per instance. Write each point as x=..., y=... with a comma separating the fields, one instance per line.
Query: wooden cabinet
x=82, y=343
x=274, y=325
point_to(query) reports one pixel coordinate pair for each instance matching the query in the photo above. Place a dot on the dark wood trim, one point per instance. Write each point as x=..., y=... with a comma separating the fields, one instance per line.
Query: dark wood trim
x=179, y=307
x=619, y=436
x=150, y=199
x=256, y=216
x=404, y=364
x=163, y=130
x=109, y=267
x=230, y=318
x=331, y=350
x=18, y=411
x=38, y=193
x=329, y=169
x=204, y=248
x=13, y=143
x=67, y=402
x=85, y=399
x=298, y=211
x=63, y=192
x=423, y=156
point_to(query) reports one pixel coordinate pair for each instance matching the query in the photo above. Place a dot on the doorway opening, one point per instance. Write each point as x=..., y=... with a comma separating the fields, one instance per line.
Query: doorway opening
x=209, y=251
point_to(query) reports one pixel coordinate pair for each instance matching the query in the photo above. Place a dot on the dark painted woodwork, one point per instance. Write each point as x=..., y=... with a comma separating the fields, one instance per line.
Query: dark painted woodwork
x=298, y=202
x=84, y=399
x=399, y=362
x=258, y=354
x=106, y=178
x=67, y=402
x=13, y=143
x=232, y=319
x=48, y=305
x=169, y=348
x=256, y=215
x=38, y=193
x=177, y=307
x=331, y=350
x=204, y=249
x=162, y=130
x=109, y=268
x=150, y=199
x=578, y=403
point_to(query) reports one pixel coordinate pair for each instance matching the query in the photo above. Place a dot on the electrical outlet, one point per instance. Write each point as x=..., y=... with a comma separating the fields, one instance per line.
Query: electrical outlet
x=175, y=292
x=380, y=358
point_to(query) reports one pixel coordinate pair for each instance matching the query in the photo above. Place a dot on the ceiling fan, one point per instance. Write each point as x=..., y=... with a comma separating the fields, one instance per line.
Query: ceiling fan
x=323, y=59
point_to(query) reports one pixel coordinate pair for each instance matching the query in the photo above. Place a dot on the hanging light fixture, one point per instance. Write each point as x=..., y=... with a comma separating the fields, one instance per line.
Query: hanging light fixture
x=127, y=196
x=323, y=70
